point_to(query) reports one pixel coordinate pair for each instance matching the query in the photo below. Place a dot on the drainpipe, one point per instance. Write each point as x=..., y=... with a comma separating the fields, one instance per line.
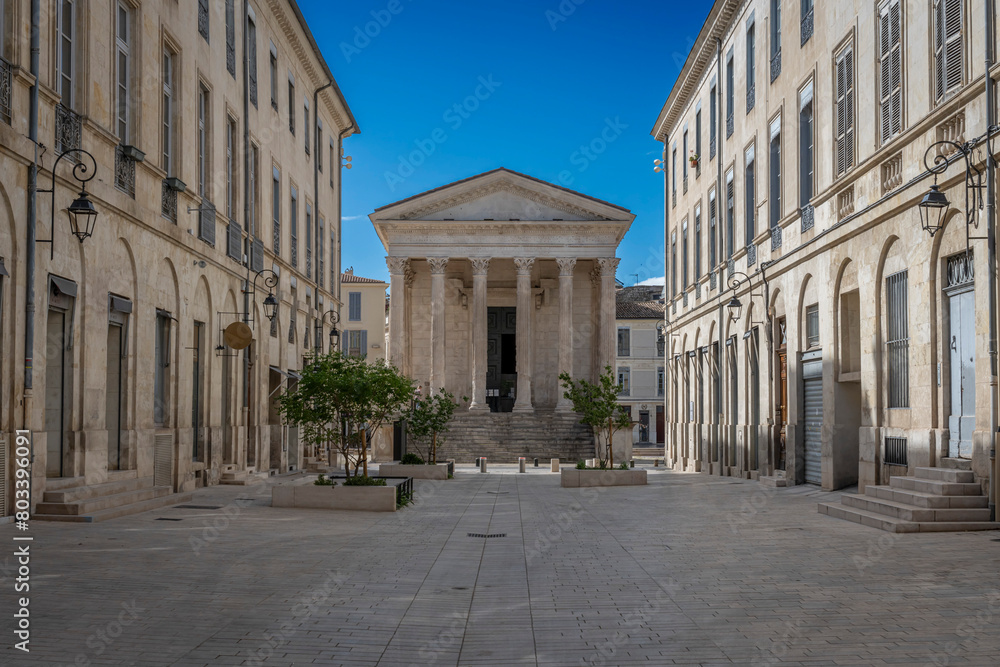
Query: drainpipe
x=338, y=202
x=666, y=309
x=991, y=253
x=316, y=159
x=718, y=237
x=29, y=307
x=248, y=225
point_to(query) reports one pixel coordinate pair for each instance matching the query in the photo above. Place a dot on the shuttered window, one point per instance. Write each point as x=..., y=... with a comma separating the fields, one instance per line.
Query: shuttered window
x=730, y=213
x=124, y=74
x=713, y=120
x=354, y=306
x=712, y=236
x=230, y=168
x=684, y=255
x=751, y=65
x=276, y=209
x=231, y=37
x=673, y=264
x=774, y=167
x=624, y=342
x=687, y=155
x=697, y=243
x=806, y=145
x=897, y=341
x=357, y=343
x=890, y=70
x=844, y=96
x=203, y=152
x=730, y=92
x=697, y=138
x=293, y=227
x=947, y=46
x=252, y=57
x=751, y=198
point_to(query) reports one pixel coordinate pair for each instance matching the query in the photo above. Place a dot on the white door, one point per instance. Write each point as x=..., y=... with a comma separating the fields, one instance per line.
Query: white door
x=961, y=342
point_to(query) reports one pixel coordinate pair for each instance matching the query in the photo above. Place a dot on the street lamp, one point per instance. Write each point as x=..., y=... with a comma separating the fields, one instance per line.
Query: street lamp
x=270, y=301
x=735, y=306
x=82, y=213
x=933, y=207
x=333, y=317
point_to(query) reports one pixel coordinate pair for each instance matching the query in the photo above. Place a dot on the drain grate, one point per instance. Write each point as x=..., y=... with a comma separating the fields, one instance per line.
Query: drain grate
x=197, y=507
x=165, y=518
x=487, y=535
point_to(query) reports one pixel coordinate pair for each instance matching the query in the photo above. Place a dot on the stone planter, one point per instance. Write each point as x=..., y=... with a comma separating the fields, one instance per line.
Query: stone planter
x=428, y=471
x=310, y=496
x=576, y=478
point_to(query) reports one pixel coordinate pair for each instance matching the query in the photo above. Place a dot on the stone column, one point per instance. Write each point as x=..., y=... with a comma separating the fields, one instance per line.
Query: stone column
x=566, y=266
x=606, y=323
x=480, y=267
x=525, y=306
x=437, y=265
x=398, y=266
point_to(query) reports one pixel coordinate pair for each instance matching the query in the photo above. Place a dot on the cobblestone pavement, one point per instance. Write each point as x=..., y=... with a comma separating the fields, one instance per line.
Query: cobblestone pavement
x=690, y=570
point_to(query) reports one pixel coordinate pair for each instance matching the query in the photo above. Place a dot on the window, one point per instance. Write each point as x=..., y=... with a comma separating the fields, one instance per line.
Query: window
x=806, y=21
x=713, y=121
x=293, y=226
x=274, y=77
x=333, y=161
x=947, y=46
x=889, y=71
x=673, y=172
x=774, y=181
x=203, y=152
x=697, y=243
x=844, y=96
x=624, y=342
x=806, y=145
x=309, y=219
x=252, y=57
x=231, y=149
x=320, y=248
x=660, y=381
x=660, y=343
x=354, y=306
x=333, y=259
x=775, y=34
x=319, y=145
x=730, y=93
x=168, y=113
x=684, y=255
x=231, y=37
x=730, y=213
x=254, y=193
x=897, y=341
x=161, y=372
x=623, y=381
x=124, y=71
x=697, y=140
x=66, y=58
x=711, y=230
x=291, y=104
x=305, y=127
x=812, y=326
x=751, y=198
x=686, y=156
x=673, y=264
x=751, y=64
x=357, y=344
x=276, y=209
x=203, y=18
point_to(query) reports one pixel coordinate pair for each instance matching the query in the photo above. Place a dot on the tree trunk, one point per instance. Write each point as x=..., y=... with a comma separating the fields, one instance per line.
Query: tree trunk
x=434, y=448
x=611, y=449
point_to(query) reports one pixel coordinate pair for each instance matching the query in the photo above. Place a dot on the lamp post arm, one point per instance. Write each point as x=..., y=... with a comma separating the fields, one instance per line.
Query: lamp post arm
x=83, y=173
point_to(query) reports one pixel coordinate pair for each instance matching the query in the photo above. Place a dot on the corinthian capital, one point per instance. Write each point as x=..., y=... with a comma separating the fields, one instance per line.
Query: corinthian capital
x=566, y=265
x=480, y=265
x=608, y=265
x=438, y=264
x=524, y=265
x=397, y=265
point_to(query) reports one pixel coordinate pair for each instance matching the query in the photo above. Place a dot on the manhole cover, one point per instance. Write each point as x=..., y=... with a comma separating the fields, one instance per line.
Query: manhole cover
x=487, y=535
x=197, y=507
x=164, y=518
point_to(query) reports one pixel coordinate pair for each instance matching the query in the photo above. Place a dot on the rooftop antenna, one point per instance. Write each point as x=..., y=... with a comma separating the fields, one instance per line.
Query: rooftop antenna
x=636, y=278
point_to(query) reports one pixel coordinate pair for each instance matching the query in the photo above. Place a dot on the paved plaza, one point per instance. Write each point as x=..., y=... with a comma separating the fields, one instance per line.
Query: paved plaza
x=691, y=570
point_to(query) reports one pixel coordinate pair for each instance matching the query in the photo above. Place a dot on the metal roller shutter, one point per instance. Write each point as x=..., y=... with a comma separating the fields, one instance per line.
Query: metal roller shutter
x=812, y=386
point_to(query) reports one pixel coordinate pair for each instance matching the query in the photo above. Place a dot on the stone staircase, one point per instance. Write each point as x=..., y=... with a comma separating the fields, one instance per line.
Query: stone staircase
x=233, y=477
x=935, y=500
x=502, y=437
x=98, y=502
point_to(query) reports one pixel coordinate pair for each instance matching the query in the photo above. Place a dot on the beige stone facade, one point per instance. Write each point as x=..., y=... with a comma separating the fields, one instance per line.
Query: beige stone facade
x=130, y=376
x=362, y=329
x=847, y=364
x=467, y=261
x=640, y=361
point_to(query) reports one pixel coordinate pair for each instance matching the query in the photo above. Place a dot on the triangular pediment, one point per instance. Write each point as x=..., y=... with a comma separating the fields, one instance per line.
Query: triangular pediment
x=502, y=195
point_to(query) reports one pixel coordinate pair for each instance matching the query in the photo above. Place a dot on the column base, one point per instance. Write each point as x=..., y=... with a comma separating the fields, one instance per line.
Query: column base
x=524, y=408
x=562, y=406
x=478, y=407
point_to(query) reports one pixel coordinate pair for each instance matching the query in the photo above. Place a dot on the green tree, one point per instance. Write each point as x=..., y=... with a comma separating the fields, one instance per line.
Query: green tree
x=344, y=400
x=430, y=418
x=597, y=404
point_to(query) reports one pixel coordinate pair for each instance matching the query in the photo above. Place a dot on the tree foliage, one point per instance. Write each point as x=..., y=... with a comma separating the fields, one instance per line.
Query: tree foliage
x=597, y=404
x=344, y=400
x=427, y=421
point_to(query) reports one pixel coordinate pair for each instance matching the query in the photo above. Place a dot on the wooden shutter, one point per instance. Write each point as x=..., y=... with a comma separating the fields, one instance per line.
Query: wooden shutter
x=235, y=241
x=952, y=44
x=257, y=255
x=206, y=222
x=845, y=110
x=890, y=78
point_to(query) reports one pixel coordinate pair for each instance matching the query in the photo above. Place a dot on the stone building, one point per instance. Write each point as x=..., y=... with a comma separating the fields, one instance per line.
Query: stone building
x=363, y=327
x=860, y=348
x=216, y=158
x=639, y=361
x=498, y=283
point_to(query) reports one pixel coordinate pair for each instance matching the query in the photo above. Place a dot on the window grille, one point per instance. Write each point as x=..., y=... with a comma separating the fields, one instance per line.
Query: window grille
x=897, y=341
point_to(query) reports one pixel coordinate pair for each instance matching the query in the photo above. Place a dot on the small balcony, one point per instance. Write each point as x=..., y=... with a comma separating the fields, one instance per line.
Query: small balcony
x=68, y=129
x=6, y=90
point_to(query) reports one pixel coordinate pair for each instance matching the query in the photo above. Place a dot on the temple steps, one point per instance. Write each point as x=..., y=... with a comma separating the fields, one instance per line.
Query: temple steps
x=502, y=437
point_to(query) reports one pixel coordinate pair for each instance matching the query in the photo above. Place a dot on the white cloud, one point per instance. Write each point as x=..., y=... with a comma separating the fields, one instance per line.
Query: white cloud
x=662, y=280
x=351, y=217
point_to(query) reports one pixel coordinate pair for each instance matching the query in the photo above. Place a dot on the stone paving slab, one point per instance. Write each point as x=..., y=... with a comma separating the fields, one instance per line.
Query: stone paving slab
x=688, y=570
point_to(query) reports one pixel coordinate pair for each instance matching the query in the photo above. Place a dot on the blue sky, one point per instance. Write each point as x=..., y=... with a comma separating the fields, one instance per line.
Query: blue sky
x=551, y=76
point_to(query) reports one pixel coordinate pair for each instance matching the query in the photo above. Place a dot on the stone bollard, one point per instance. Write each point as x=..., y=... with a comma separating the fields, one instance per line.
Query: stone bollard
x=631, y=463
x=482, y=464
x=536, y=461
x=555, y=465
x=521, y=461
x=656, y=463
